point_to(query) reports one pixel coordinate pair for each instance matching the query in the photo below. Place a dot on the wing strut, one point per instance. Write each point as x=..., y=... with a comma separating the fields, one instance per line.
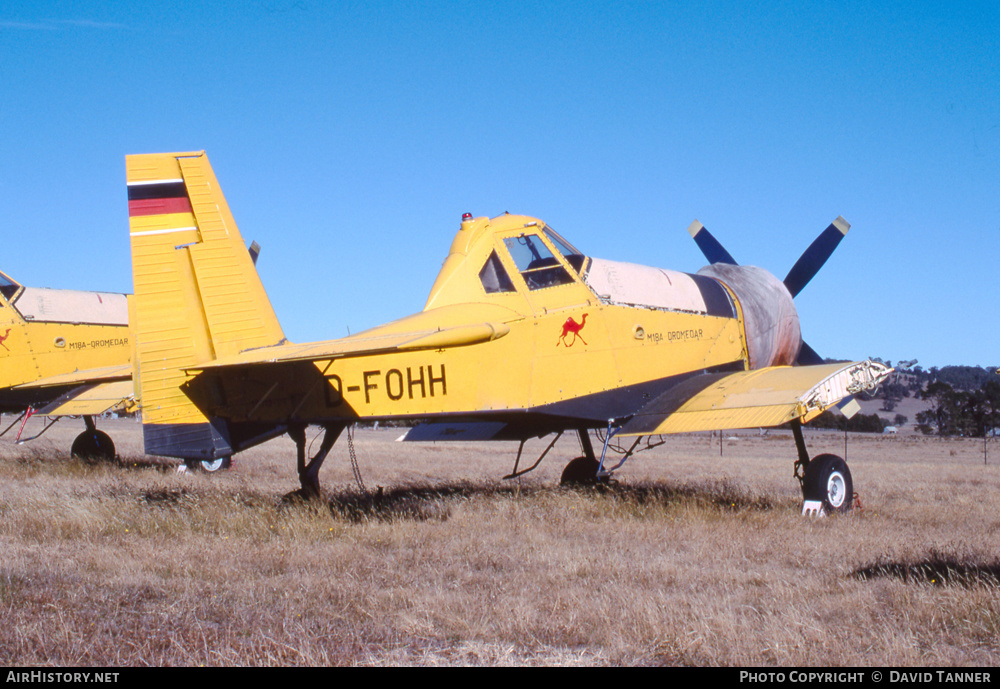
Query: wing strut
x=515, y=473
x=607, y=472
x=23, y=419
x=22, y=416
x=613, y=429
x=49, y=423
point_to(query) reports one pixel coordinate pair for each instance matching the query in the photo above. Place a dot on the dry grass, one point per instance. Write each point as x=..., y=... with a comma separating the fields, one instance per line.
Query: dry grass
x=691, y=559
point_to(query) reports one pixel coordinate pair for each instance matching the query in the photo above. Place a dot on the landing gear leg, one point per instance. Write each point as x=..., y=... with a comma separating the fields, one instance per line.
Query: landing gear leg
x=582, y=470
x=93, y=445
x=825, y=479
x=802, y=463
x=309, y=472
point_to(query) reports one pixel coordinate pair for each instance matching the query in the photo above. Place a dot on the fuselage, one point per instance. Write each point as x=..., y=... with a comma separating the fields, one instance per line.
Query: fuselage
x=586, y=338
x=50, y=332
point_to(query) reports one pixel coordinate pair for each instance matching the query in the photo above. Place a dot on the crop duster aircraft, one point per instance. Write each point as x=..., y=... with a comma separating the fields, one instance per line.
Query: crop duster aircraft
x=522, y=336
x=65, y=353
x=69, y=353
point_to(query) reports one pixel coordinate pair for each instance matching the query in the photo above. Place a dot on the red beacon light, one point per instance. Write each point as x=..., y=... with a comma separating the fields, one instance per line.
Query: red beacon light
x=466, y=217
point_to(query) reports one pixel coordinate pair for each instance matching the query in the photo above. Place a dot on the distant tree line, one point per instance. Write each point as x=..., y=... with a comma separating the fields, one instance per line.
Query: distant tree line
x=965, y=399
x=969, y=413
x=859, y=423
x=958, y=377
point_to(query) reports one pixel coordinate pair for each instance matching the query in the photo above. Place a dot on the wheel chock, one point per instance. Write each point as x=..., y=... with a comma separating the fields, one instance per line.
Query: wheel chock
x=813, y=508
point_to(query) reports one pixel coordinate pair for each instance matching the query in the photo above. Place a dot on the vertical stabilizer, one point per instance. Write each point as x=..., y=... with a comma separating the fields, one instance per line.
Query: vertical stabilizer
x=197, y=296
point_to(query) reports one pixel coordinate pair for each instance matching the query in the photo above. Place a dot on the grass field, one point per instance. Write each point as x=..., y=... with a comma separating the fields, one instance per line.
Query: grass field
x=691, y=559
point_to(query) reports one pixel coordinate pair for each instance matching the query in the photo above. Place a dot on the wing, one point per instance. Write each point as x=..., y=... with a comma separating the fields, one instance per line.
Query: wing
x=706, y=402
x=747, y=399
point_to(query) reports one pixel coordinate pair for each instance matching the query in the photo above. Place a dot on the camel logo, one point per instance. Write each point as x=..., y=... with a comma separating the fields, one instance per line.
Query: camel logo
x=3, y=338
x=571, y=326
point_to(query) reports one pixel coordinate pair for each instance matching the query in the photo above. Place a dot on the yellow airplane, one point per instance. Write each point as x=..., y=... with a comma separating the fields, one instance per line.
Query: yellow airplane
x=522, y=336
x=69, y=353
x=65, y=353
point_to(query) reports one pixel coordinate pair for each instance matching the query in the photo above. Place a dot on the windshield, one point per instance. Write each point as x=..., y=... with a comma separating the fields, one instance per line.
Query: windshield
x=7, y=286
x=569, y=252
x=537, y=265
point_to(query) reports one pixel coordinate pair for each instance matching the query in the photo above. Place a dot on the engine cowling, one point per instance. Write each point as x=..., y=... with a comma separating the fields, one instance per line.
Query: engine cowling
x=770, y=319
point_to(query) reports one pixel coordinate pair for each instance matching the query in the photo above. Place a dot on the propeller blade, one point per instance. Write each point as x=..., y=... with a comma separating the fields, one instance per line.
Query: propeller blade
x=815, y=256
x=801, y=273
x=808, y=356
x=709, y=245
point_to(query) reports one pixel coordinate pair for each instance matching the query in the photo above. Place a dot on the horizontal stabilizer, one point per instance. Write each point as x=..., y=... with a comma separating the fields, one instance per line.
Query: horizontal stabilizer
x=473, y=430
x=360, y=345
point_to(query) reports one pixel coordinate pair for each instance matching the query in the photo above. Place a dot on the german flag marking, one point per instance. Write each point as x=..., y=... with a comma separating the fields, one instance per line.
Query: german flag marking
x=158, y=198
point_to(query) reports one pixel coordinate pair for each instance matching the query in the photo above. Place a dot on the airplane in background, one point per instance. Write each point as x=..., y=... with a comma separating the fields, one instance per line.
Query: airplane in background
x=522, y=336
x=65, y=353
x=69, y=353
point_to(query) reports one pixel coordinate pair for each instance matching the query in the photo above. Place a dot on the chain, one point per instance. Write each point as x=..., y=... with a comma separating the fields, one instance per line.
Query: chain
x=354, y=459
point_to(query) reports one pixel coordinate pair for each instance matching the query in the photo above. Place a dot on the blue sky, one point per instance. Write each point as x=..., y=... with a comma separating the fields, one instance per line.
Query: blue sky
x=349, y=138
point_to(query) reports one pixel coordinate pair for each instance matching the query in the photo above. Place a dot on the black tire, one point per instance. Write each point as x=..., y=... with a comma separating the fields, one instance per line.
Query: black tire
x=581, y=471
x=209, y=466
x=828, y=479
x=93, y=446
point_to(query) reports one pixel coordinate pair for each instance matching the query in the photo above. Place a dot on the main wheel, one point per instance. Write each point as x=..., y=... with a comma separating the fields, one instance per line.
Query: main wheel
x=580, y=471
x=93, y=446
x=828, y=480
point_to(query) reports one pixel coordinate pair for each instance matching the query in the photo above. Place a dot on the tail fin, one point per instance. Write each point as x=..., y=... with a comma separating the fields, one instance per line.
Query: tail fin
x=197, y=297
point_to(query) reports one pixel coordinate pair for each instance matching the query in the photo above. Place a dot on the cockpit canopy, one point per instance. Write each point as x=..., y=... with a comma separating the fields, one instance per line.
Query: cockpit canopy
x=534, y=253
x=40, y=304
x=533, y=259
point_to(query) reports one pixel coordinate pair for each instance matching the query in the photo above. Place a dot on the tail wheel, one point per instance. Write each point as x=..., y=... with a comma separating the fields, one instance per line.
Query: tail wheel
x=93, y=446
x=828, y=480
x=581, y=471
x=217, y=464
x=210, y=465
